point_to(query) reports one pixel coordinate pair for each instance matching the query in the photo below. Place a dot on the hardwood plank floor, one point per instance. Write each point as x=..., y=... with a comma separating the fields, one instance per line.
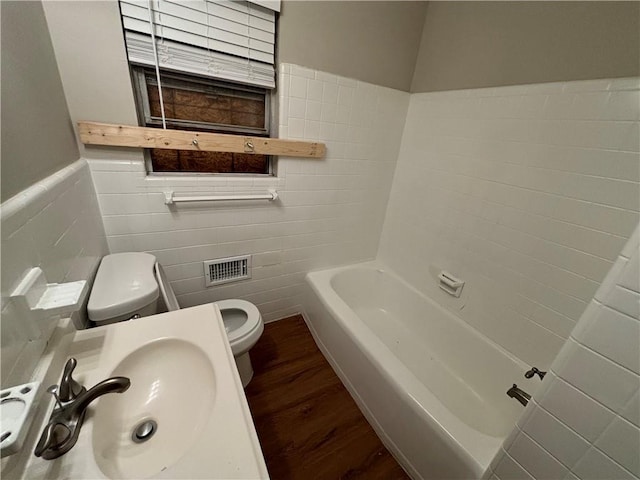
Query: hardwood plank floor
x=308, y=424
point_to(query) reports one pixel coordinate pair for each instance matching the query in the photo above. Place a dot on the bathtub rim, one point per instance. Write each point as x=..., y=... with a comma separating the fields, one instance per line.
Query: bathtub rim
x=477, y=448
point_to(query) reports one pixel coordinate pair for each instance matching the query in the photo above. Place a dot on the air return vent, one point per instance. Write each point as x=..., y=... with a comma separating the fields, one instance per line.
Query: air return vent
x=225, y=270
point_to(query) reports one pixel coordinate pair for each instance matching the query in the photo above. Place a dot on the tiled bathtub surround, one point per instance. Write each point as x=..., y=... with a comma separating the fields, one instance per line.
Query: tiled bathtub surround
x=55, y=224
x=585, y=423
x=527, y=192
x=330, y=210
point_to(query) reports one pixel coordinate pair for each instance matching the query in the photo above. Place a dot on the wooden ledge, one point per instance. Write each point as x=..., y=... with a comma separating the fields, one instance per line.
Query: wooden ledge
x=94, y=133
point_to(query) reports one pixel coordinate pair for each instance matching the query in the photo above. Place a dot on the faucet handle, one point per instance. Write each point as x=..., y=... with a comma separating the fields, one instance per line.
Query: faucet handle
x=534, y=371
x=69, y=388
x=53, y=390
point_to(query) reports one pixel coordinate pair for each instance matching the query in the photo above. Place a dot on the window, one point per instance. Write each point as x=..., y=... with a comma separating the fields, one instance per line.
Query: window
x=214, y=63
x=202, y=104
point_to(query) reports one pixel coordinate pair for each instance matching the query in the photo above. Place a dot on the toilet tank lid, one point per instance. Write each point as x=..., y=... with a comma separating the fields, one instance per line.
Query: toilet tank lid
x=125, y=282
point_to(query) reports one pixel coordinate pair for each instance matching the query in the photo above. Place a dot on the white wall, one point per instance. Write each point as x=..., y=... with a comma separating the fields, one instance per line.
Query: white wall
x=97, y=86
x=32, y=101
x=330, y=210
x=54, y=224
x=528, y=193
x=372, y=41
x=585, y=420
x=482, y=44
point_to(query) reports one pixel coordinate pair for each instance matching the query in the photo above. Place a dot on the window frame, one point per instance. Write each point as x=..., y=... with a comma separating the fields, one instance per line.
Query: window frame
x=143, y=109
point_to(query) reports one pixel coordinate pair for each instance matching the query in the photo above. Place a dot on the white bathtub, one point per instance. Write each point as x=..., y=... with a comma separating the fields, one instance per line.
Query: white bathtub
x=432, y=387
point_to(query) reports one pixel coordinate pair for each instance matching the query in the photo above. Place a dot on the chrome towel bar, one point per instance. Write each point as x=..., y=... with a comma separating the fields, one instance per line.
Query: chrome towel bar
x=170, y=198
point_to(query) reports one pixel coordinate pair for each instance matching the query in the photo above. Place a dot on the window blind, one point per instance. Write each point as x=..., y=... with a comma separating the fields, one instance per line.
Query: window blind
x=226, y=39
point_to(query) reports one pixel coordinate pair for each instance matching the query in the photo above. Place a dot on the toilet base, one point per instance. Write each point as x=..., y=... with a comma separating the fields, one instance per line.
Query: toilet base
x=243, y=363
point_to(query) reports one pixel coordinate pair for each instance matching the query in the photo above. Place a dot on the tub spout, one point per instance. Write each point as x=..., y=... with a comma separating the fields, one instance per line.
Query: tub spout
x=519, y=394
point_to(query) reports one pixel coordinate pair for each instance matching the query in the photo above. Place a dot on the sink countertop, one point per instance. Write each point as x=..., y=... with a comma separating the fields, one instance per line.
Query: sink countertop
x=227, y=446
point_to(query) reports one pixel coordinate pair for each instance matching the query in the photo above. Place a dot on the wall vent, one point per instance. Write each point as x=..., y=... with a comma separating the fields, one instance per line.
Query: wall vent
x=225, y=270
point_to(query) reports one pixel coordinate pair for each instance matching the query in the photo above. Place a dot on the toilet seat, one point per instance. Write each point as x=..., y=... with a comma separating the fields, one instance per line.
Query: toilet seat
x=247, y=334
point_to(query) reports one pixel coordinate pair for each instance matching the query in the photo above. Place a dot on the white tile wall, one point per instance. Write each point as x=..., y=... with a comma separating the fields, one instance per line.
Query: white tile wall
x=526, y=192
x=585, y=420
x=330, y=210
x=54, y=224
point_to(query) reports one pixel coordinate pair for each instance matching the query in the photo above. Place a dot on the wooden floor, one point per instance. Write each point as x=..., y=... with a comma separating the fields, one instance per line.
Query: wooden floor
x=309, y=426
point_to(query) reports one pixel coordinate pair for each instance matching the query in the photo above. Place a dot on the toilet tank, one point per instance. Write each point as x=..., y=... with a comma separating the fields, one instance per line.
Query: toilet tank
x=125, y=286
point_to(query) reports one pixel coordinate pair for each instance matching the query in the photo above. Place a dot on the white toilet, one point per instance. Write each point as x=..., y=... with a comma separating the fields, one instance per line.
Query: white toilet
x=132, y=285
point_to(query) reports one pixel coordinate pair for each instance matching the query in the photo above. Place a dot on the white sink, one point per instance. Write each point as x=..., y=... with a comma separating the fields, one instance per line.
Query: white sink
x=184, y=388
x=162, y=391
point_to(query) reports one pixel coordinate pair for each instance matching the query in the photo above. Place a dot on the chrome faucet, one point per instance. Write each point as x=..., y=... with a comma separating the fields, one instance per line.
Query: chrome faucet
x=61, y=433
x=520, y=395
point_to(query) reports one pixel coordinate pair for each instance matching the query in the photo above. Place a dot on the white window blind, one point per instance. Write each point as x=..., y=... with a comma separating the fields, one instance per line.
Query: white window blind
x=226, y=39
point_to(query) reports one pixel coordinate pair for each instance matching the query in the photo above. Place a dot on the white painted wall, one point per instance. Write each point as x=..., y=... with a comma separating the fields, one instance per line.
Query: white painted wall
x=54, y=224
x=584, y=423
x=528, y=193
x=32, y=101
x=372, y=41
x=330, y=210
x=90, y=52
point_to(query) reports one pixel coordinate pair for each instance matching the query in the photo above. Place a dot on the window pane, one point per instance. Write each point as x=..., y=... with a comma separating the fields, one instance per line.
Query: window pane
x=204, y=105
x=219, y=107
x=208, y=162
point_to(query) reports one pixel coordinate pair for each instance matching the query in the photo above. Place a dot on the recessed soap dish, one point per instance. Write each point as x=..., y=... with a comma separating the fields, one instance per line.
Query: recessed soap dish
x=33, y=293
x=16, y=411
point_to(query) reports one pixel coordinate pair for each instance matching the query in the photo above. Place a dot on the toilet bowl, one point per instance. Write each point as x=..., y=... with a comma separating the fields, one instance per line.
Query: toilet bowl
x=133, y=284
x=244, y=326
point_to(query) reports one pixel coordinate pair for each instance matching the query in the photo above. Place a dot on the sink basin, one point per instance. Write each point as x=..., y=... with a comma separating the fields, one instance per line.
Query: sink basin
x=184, y=416
x=173, y=386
